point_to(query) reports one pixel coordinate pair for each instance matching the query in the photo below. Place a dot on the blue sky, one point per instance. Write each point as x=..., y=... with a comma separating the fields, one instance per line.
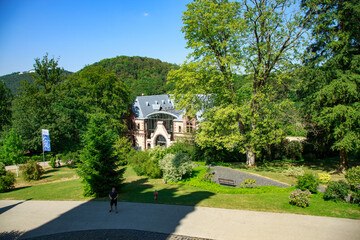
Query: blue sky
x=83, y=32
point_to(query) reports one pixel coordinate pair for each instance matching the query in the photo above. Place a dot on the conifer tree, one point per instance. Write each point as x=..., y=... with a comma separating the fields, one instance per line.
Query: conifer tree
x=99, y=167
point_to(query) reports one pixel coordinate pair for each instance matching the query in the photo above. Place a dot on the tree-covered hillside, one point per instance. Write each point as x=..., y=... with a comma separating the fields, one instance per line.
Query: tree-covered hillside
x=141, y=74
x=13, y=80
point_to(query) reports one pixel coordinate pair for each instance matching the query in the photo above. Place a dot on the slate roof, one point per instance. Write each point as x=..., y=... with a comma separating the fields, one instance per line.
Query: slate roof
x=145, y=105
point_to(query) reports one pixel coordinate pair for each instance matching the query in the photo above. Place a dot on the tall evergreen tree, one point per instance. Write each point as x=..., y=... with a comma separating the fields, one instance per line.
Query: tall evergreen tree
x=331, y=78
x=5, y=104
x=99, y=167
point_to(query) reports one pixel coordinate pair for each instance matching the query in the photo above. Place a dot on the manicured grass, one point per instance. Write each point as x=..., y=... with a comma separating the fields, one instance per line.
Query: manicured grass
x=50, y=175
x=190, y=192
x=67, y=190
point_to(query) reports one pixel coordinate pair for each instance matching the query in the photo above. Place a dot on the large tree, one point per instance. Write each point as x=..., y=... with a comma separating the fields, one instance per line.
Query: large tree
x=37, y=107
x=12, y=150
x=5, y=104
x=331, y=78
x=260, y=37
x=98, y=90
x=99, y=168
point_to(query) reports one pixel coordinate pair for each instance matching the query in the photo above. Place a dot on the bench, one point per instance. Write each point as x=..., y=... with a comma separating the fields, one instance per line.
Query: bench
x=227, y=182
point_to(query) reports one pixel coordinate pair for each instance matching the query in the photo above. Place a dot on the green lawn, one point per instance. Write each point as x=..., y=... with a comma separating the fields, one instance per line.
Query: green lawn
x=50, y=175
x=60, y=184
x=276, y=170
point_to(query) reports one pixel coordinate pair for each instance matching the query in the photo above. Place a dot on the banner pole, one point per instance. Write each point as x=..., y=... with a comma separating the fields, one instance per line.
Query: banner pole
x=42, y=141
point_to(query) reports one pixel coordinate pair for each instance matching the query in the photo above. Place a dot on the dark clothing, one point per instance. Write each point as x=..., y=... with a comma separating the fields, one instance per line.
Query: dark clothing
x=113, y=195
x=112, y=202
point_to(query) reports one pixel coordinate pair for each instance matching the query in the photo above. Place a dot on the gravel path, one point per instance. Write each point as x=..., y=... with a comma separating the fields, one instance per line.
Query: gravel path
x=239, y=176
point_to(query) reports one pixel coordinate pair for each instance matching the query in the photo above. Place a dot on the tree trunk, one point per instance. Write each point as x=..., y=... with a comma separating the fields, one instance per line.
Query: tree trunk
x=344, y=161
x=250, y=158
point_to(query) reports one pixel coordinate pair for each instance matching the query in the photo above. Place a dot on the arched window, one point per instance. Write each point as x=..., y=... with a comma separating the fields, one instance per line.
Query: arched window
x=167, y=120
x=161, y=141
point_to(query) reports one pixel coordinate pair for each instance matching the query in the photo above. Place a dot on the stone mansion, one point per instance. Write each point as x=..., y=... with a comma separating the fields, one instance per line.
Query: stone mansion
x=154, y=122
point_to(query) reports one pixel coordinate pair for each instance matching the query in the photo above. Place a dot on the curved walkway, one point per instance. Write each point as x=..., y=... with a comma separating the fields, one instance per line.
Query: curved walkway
x=32, y=219
x=119, y=234
x=239, y=177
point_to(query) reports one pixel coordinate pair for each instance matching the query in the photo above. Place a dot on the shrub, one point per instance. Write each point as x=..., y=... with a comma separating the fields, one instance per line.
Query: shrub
x=293, y=150
x=7, y=179
x=356, y=194
x=146, y=163
x=31, y=171
x=52, y=162
x=324, y=178
x=175, y=166
x=137, y=160
x=300, y=198
x=249, y=183
x=308, y=182
x=152, y=168
x=122, y=150
x=184, y=147
x=71, y=159
x=294, y=171
x=209, y=175
x=337, y=191
x=352, y=175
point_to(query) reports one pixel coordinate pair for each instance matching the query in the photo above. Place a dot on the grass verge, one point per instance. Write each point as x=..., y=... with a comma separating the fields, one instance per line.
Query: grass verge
x=192, y=192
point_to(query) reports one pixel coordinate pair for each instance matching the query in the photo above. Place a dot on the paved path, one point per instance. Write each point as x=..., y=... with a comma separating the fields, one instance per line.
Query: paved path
x=35, y=218
x=13, y=167
x=240, y=176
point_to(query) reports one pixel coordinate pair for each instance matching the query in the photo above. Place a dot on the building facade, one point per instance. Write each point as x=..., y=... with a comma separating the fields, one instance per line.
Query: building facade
x=156, y=122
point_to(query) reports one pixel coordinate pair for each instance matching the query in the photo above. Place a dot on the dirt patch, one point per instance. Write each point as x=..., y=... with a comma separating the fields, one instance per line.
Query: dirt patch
x=33, y=183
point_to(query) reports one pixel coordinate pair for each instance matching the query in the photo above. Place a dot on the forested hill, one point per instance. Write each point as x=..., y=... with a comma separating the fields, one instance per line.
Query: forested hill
x=13, y=80
x=141, y=74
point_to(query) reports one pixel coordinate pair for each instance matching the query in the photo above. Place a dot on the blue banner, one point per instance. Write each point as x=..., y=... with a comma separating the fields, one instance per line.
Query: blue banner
x=46, y=140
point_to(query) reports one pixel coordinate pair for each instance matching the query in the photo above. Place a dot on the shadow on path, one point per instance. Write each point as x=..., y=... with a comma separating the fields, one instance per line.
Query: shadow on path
x=151, y=216
x=7, y=208
x=10, y=235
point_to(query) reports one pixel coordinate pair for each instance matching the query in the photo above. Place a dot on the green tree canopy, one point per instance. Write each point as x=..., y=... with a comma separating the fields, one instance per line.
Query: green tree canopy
x=140, y=74
x=331, y=78
x=5, y=104
x=34, y=108
x=63, y=105
x=12, y=149
x=97, y=90
x=260, y=37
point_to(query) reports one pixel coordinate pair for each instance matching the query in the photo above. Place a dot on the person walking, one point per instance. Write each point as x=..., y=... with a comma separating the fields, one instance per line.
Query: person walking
x=113, y=195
